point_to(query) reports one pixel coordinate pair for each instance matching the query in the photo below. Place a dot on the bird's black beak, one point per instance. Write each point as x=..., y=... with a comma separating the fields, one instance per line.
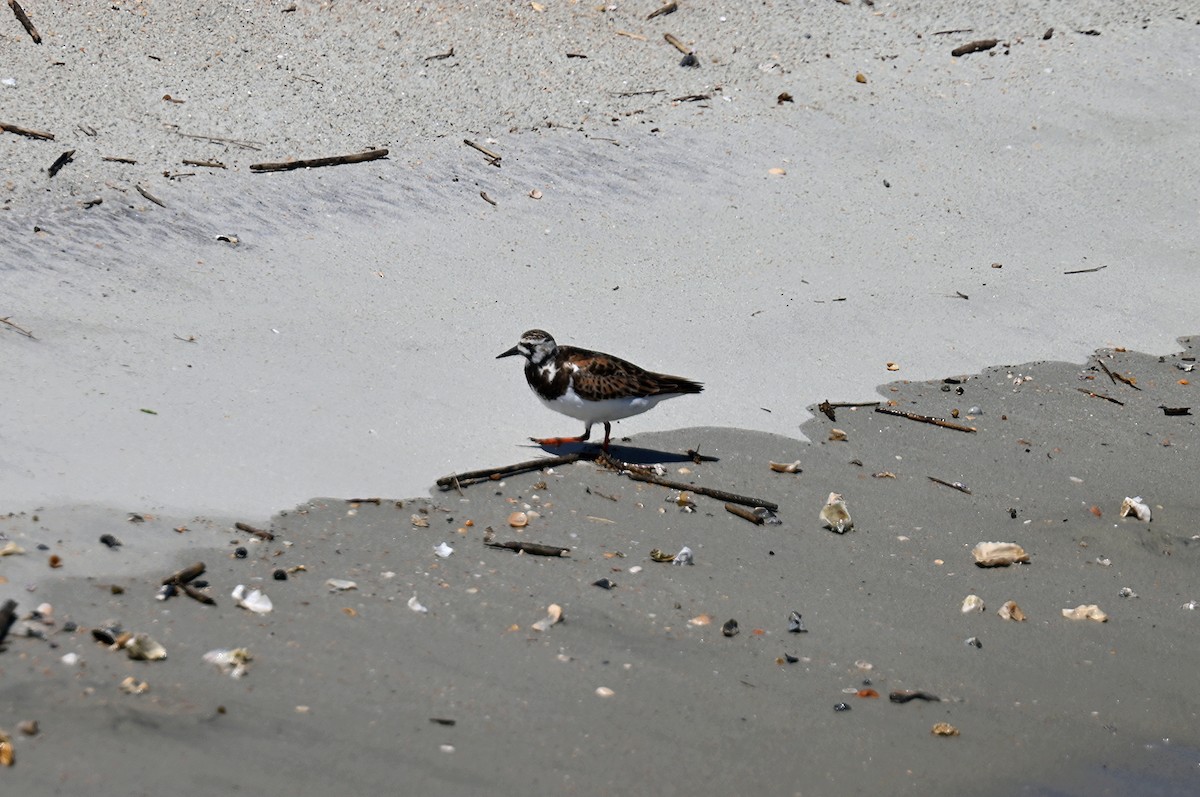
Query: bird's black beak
x=508, y=353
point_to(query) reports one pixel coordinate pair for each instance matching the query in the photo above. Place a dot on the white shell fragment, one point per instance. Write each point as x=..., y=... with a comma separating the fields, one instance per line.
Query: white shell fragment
x=1011, y=611
x=684, y=557
x=554, y=615
x=132, y=686
x=11, y=549
x=834, y=515
x=1135, y=507
x=999, y=554
x=143, y=648
x=71, y=659
x=786, y=467
x=604, y=691
x=972, y=603
x=416, y=605
x=1088, y=611
x=232, y=662
x=255, y=600
x=340, y=584
x=443, y=550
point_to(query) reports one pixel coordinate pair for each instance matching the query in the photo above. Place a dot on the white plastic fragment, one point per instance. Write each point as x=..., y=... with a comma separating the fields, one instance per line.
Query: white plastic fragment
x=416, y=606
x=255, y=600
x=1135, y=507
x=834, y=515
x=340, y=584
x=443, y=550
x=231, y=661
x=684, y=557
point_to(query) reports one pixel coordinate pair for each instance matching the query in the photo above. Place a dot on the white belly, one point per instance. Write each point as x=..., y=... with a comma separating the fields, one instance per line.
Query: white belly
x=571, y=405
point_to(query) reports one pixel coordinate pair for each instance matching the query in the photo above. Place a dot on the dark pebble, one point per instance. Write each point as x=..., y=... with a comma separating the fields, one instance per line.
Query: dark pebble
x=240, y=553
x=280, y=575
x=110, y=541
x=842, y=707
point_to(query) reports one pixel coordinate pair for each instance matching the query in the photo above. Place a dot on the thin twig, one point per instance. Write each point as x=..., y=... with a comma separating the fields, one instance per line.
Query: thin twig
x=262, y=534
x=952, y=485
x=914, y=416
x=1086, y=270
x=830, y=407
x=535, y=548
x=144, y=192
x=678, y=45
x=209, y=163
x=255, y=145
x=312, y=163
x=638, y=474
x=493, y=158
x=25, y=131
x=22, y=330
x=24, y=20
x=494, y=474
x=1094, y=394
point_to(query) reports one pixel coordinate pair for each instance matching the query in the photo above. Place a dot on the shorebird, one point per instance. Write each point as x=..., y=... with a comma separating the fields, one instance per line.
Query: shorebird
x=591, y=386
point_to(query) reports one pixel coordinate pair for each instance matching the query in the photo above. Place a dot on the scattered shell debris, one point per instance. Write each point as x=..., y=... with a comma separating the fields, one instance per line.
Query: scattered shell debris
x=1135, y=507
x=11, y=549
x=143, y=648
x=786, y=467
x=234, y=662
x=7, y=757
x=659, y=555
x=132, y=686
x=701, y=619
x=972, y=603
x=518, y=520
x=1011, y=611
x=417, y=606
x=796, y=624
x=1086, y=611
x=684, y=557
x=255, y=600
x=1127, y=592
x=553, y=616
x=944, y=729
x=340, y=584
x=999, y=554
x=443, y=550
x=834, y=515
x=604, y=691
x=419, y=521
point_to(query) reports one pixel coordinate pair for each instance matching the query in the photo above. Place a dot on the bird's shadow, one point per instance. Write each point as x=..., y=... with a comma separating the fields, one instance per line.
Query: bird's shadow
x=633, y=455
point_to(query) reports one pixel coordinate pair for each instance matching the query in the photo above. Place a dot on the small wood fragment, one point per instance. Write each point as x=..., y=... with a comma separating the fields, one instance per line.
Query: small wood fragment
x=534, y=548
x=669, y=8
x=144, y=192
x=495, y=474
x=211, y=164
x=493, y=157
x=829, y=408
x=642, y=475
x=1094, y=394
x=744, y=514
x=952, y=485
x=693, y=98
x=61, y=161
x=7, y=322
x=974, y=47
x=24, y=20
x=441, y=56
x=115, y=159
x=189, y=573
x=262, y=534
x=678, y=45
x=913, y=416
x=25, y=131
x=313, y=163
x=488, y=199
x=1086, y=270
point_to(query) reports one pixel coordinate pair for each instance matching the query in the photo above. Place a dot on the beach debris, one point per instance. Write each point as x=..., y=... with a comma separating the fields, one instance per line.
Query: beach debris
x=830, y=408
x=604, y=583
x=11, y=549
x=915, y=416
x=443, y=550
x=604, y=691
x=279, y=574
x=518, y=520
x=1086, y=611
x=255, y=600
x=701, y=620
x=962, y=488
x=659, y=555
x=110, y=541
x=29, y=27
x=1135, y=507
x=553, y=616
x=312, y=163
x=838, y=435
x=234, y=662
x=909, y=695
x=1174, y=411
x=419, y=521
x=974, y=47
x=972, y=603
x=55, y=561
x=7, y=756
x=132, y=686
x=973, y=642
x=758, y=516
x=867, y=692
x=534, y=548
x=493, y=157
x=142, y=648
x=730, y=628
x=185, y=580
x=262, y=534
x=944, y=729
x=28, y=727
x=8, y=616
x=683, y=500
x=1011, y=611
x=240, y=552
x=839, y=707
x=71, y=659
x=1127, y=592
x=684, y=557
x=111, y=634
x=864, y=665
x=796, y=624
x=669, y=8
x=786, y=467
x=417, y=606
x=1191, y=605
x=340, y=584
x=834, y=515
x=999, y=554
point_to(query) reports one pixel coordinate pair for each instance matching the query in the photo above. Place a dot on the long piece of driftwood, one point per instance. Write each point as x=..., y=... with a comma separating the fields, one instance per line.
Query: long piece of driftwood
x=535, y=548
x=312, y=163
x=26, y=131
x=456, y=480
x=24, y=20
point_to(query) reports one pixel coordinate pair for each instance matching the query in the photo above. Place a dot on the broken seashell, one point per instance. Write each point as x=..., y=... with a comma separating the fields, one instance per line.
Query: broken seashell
x=11, y=549
x=972, y=603
x=838, y=435
x=340, y=584
x=684, y=557
x=834, y=516
x=1135, y=507
x=132, y=686
x=604, y=691
x=233, y=662
x=1127, y=592
x=944, y=729
x=443, y=550
x=1011, y=611
x=701, y=619
x=6, y=750
x=660, y=556
x=143, y=648
x=255, y=600
x=518, y=520
x=786, y=467
x=71, y=659
x=1086, y=611
x=796, y=624
x=416, y=606
x=999, y=554
x=604, y=583
x=420, y=521
x=554, y=615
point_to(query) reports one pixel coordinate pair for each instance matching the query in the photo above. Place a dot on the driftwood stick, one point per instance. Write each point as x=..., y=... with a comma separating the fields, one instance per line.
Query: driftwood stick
x=262, y=534
x=24, y=20
x=830, y=407
x=952, y=485
x=61, y=161
x=115, y=159
x=678, y=45
x=185, y=575
x=196, y=594
x=210, y=163
x=25, y=131
x=493, y=158
x=973, y=47
x=535, y=548
x=744, y=514
x=255, y=145
x=146, y=193
x=669, y=8
x=493, y=474
x=720, y=495
x=914, y=416
x=22, y=330
x=312, y=163
x=1094, y=394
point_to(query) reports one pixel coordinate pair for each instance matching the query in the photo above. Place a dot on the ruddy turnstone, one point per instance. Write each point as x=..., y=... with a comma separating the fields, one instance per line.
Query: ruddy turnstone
x=591, y=386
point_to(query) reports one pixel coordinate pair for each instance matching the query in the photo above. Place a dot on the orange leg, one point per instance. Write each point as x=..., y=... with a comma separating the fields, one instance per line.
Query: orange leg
x=562, y=441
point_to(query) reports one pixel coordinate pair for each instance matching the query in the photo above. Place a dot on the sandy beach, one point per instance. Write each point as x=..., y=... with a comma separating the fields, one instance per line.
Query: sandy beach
x=829, y=207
